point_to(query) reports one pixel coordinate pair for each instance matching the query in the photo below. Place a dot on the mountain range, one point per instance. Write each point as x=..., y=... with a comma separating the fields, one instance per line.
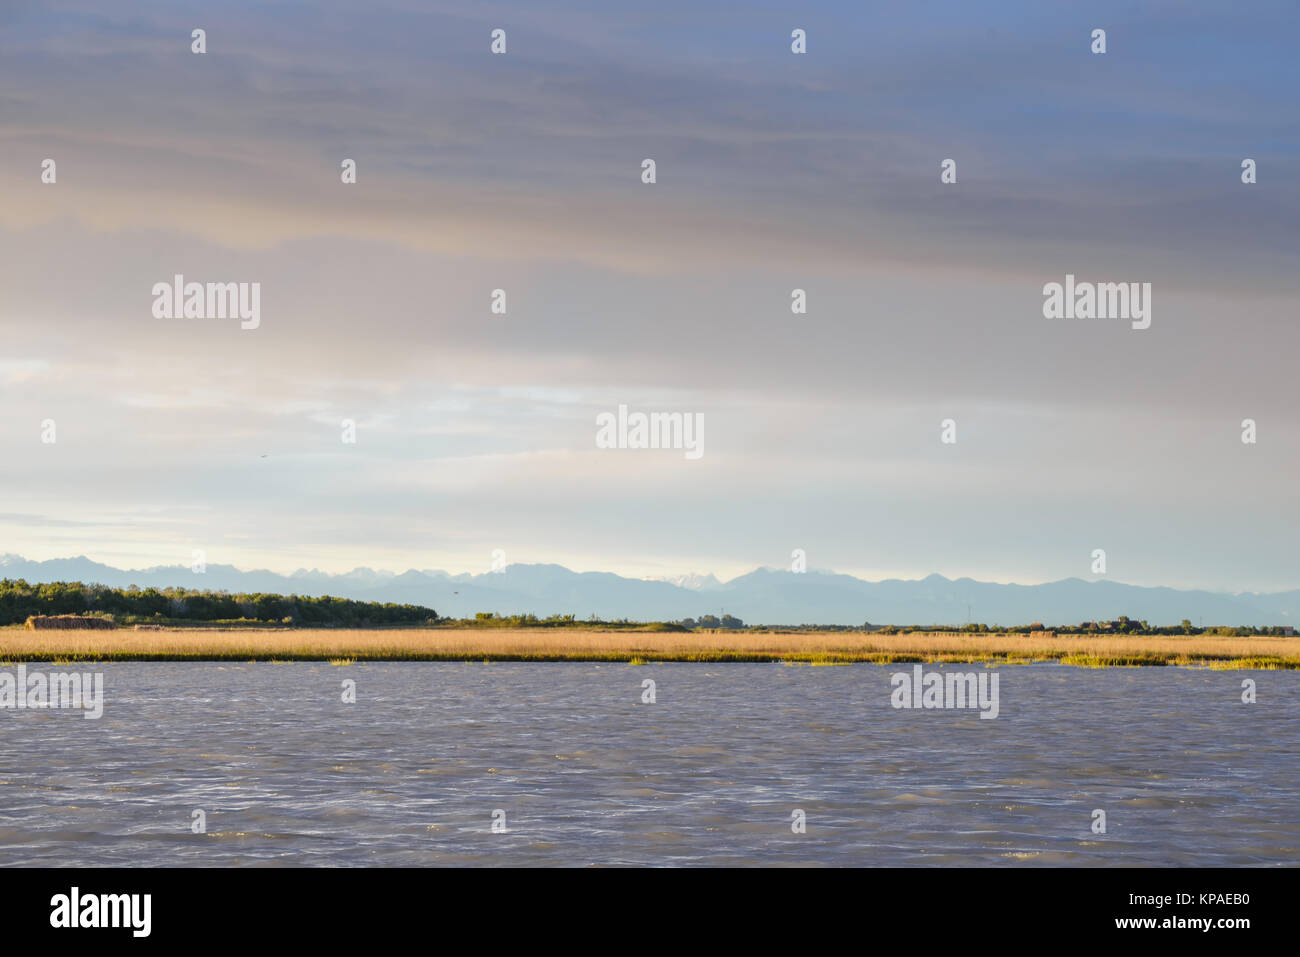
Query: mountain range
x=763, y=596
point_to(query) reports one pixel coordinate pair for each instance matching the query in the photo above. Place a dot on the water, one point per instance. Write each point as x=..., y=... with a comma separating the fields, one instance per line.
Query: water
x=410, y=775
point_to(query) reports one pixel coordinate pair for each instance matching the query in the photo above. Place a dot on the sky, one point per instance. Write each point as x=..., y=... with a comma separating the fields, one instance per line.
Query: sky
x=522, y=171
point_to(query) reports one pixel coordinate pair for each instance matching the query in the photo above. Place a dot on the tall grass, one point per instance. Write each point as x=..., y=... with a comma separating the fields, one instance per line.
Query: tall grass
x=586, y=644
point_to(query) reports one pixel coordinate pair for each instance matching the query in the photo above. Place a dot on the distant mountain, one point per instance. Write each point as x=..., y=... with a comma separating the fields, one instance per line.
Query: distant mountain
x=694, y=581
x=763, y=596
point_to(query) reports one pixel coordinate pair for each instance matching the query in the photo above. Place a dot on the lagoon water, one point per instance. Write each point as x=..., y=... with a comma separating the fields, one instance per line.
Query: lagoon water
x=586, y=774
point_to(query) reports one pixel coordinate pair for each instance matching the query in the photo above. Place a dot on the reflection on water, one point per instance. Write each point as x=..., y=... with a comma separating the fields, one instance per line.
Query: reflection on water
x=287, y=773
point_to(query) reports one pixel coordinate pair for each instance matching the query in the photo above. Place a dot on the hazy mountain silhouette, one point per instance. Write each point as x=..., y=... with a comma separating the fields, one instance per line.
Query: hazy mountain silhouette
x=763, y=596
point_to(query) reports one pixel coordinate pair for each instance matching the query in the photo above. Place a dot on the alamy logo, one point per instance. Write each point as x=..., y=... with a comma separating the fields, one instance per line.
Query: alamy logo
x=179, y=299
x=654, y=430
x=951, y=689
x=133, y=911
x=1106, y=300
x=36, y=689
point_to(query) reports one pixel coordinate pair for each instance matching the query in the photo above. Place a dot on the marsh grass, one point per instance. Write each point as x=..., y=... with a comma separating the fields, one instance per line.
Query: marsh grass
x=625, y=646
x=1261, y=664
x=1114, y=661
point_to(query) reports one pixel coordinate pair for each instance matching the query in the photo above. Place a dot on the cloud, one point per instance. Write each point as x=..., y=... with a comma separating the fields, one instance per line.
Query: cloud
x=775, y=172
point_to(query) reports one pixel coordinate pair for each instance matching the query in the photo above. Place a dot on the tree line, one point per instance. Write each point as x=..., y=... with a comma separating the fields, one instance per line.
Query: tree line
x=18, y=600
x=1119, y=626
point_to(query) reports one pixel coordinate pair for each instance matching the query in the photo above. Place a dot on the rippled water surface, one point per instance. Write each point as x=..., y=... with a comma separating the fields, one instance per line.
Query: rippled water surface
x=289, y=774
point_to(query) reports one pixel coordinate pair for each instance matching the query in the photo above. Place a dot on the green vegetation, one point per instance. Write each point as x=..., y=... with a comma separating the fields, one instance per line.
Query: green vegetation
x=1117, y=661
x=712, y=621
x=1123, y=625
x=188, y=607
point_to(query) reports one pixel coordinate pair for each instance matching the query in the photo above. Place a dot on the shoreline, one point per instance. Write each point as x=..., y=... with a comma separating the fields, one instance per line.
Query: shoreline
x=347, y=646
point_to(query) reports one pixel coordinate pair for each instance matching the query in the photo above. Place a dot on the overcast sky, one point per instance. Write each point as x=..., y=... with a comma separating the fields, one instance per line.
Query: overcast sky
x=775, y=171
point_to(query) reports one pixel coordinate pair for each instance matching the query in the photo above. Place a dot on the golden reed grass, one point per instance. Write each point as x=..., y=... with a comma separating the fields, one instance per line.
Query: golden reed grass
x=558, y=644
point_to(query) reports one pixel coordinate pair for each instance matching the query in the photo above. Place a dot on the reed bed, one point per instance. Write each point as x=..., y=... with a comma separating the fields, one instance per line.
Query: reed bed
x=557, y=644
